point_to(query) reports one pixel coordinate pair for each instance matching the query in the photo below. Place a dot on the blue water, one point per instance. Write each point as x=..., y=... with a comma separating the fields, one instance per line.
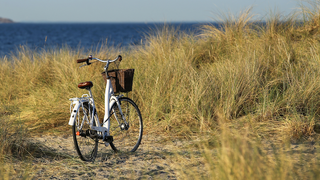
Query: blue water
x=76, y=35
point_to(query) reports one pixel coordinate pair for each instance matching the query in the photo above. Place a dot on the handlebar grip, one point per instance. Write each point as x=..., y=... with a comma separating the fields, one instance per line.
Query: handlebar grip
x=82, y=60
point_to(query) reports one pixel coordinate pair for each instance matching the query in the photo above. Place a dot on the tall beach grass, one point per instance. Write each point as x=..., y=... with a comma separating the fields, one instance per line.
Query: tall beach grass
x=261, y=79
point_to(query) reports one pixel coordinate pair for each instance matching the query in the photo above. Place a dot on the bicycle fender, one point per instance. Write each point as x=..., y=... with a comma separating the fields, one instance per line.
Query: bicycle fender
x=74, y=112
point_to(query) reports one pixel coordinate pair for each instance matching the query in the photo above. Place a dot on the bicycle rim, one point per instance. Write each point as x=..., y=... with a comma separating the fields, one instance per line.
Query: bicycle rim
x=126, y=139
x=85, y=146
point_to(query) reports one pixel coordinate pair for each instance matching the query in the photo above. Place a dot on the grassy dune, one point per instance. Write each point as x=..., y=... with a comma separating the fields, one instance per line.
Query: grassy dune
x=233, y=88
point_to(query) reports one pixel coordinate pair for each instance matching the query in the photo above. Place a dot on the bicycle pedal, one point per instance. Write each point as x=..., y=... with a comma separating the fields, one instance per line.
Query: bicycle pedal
x=81, y=133
x=108, y=139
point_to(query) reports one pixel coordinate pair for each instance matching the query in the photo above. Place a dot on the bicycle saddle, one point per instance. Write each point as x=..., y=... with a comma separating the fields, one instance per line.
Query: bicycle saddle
x=85, y=85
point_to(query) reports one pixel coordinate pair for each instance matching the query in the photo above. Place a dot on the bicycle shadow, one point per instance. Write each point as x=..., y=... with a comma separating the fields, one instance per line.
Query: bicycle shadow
x=41, y=151
x=123, y=157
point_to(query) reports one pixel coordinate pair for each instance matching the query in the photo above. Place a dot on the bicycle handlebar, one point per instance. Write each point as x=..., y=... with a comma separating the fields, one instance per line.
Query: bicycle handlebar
x=91, y=58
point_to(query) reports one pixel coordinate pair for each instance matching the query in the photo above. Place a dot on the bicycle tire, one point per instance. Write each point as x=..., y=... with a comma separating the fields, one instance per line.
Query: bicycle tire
x=85, y=146
x=126, y=140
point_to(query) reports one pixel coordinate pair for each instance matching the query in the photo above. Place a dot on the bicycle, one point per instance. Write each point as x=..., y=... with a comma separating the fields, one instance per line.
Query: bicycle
x=121, y=127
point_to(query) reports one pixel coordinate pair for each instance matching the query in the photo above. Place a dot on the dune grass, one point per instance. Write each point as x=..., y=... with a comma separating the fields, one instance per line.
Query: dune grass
x=258, y=78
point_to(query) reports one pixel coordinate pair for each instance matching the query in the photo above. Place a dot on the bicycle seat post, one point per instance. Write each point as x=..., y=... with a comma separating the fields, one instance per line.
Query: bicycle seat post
x=86, y=85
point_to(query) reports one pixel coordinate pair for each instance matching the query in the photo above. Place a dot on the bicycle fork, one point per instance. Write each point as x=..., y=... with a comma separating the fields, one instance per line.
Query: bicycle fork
x=124, y=125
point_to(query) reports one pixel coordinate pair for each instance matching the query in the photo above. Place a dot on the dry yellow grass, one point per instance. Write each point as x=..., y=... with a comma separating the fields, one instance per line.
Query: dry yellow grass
x=237, y=86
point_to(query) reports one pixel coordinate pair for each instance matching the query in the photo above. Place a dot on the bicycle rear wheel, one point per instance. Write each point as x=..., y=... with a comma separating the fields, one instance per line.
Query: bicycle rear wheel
x=126, y=134
x=85, y=145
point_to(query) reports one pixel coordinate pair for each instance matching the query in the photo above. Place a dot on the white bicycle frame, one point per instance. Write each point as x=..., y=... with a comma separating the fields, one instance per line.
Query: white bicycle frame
x=110, y=99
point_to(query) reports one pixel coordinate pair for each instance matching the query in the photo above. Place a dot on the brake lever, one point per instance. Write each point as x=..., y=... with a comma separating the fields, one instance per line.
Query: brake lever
x=87, y=64
x=83, y=65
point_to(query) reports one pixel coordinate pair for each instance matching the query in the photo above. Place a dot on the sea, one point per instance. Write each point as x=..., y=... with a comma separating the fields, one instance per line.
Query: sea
x=86, y=36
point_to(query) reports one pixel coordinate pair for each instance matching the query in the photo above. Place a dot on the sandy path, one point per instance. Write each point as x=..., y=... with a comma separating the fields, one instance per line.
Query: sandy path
x=153, y=160
x=157, y=158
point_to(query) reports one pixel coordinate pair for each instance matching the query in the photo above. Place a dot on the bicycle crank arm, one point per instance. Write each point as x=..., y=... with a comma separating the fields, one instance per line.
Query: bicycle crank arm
x=89, y=133
x=93, y=134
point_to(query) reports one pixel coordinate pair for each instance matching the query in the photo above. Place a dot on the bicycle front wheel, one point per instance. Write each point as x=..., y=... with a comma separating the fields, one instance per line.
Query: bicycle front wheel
x=126, y=131
x=85, y=145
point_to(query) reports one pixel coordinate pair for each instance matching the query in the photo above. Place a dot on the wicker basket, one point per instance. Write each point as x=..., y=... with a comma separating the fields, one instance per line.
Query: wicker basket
x=121, y=79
